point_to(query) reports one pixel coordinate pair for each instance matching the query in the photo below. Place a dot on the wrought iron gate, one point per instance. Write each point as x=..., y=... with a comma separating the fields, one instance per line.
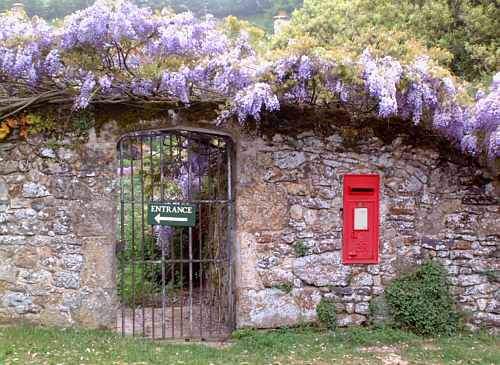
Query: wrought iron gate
x=175, y=282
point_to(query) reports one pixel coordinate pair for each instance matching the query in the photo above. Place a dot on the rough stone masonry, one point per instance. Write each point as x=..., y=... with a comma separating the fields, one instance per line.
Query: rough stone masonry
x=57, y=232
x=57, y=226
x=429, y=208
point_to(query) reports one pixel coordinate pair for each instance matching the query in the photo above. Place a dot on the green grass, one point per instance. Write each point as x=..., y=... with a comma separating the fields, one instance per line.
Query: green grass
x=29, y=345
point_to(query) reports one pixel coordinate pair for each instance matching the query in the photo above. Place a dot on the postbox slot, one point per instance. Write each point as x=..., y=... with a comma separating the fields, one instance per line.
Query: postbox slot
x=362, y=190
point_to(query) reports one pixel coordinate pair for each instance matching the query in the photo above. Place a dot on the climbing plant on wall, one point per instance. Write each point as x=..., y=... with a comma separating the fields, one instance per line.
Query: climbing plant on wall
x=116, y=53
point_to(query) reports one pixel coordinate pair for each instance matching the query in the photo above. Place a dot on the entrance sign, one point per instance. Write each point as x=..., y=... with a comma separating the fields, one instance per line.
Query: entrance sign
x=172, y=214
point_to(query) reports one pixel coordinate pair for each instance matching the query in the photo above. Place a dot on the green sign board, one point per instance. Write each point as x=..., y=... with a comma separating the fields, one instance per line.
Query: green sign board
x=172, y=214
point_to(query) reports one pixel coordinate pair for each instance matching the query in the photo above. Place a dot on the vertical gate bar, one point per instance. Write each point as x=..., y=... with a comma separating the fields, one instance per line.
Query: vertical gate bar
x=172, y=253
x=191, y=280
x=229, y=226
x=123, y=241
x=211, y=232
x=162, y=186
x=219, y=298
x=163, y=289
x=142, y=240
x=151, y=168
x=200, y=248
x=220, y=264
x=163, y=292
x=181, y=289
x=189, y=197
x=181, y=248
x=172, y=289
x=210, y=271
x=132, y=198
x=151, y=197
x=188, y=146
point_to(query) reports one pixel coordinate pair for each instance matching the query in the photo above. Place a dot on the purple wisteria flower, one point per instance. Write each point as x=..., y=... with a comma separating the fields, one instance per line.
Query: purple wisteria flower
x=297, y=71
x=176, y=84
x=229, y=77
x=185, y=35
x=420, y=94
x=295, y=67
x=483, y=119
x=252, y=100
x=106, y=22
x=142, y=87
x=449, y=121
x=105, y=82
x=449, y=86
x=53, y=63
x=117, y=49
x=382, y=77
x=469, y=144
x=494, y=143
x=83, y=100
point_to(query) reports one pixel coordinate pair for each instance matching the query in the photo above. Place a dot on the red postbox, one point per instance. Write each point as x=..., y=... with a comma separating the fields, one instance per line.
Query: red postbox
x=361, y=219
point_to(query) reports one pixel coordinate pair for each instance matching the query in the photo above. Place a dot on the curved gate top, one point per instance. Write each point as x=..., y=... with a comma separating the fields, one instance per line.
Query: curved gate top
x=174, y=235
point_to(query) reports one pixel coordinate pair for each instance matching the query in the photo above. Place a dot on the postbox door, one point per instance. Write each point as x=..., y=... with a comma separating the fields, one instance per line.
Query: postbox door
x=360, y=247
x=361, y=219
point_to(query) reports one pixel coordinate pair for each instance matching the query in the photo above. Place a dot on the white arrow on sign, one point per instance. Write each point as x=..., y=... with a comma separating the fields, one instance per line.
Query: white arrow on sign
x=160, y=219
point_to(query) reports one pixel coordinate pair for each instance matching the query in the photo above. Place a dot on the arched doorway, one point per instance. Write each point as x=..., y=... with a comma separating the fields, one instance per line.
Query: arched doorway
x=174, y=226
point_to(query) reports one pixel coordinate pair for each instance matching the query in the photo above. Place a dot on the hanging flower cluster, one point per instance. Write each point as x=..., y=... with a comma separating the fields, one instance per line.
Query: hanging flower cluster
x=116, y=52
x=483, y=120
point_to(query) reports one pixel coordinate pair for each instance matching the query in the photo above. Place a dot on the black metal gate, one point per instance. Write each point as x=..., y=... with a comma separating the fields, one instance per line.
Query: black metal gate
x=175, y=282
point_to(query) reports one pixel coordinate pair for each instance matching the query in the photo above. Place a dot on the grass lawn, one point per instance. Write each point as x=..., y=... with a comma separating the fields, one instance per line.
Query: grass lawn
x=27, y=345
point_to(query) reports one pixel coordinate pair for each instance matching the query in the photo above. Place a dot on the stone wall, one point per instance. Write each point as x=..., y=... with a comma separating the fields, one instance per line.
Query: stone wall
x=57, y=231
x=57, y=226
x=289, y=202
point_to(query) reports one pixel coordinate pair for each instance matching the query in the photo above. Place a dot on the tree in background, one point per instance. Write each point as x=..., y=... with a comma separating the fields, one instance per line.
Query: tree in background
x=222, y=8
x=461, y=34
x=261, y=11
x=48, y=9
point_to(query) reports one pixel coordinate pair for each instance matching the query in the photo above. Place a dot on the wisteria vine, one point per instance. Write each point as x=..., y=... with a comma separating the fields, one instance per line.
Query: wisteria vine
x=115, y=52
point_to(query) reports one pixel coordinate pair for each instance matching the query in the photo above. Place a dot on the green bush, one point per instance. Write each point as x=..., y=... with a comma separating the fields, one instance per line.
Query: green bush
x=420, y=301
x=327, y=314
x=300, y=248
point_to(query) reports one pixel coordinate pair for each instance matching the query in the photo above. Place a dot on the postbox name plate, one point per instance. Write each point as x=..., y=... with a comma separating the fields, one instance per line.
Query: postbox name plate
x=172, y=214
x=360, y=219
